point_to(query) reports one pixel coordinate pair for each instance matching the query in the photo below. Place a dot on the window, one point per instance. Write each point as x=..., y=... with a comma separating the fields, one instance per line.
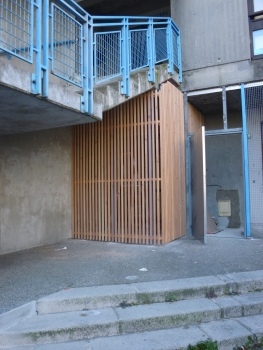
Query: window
x=255, y=13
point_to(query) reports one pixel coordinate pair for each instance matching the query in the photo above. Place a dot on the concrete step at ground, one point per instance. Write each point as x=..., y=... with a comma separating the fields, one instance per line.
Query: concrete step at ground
x=77, y=325
x=228, y=334
x=77, y=299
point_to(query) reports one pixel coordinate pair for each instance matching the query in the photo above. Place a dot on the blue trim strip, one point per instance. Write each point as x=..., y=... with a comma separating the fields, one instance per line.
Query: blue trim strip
x=245, y=164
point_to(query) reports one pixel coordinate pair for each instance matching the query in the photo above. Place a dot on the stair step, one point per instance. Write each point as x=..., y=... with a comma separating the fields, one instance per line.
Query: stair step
x=228, y=334
x=77, y=325
x=77, y=299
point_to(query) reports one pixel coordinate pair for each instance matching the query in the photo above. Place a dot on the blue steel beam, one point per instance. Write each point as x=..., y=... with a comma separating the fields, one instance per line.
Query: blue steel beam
x=245, y=164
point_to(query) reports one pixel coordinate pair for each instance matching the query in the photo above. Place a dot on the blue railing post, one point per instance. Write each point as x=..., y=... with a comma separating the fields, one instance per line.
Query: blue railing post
x=180, y=76
x=125, y=83
x=170, y=48
x=151, y=51
x=245, y=164
x=36, y=77
x=45, y=66
x=90, y=65
x=87, y=97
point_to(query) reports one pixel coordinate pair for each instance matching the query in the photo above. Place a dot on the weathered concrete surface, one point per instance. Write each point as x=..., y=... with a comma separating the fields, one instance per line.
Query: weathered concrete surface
x=40, y=271
x=62, y=327
x=17, y=315
x=222, y=58
x=228, y=333
x=107, y=94
x=254, y=324
x=210, y=314
x=252, y=303
x=22, y=112
x=74, y=299
x=35, y=189
x=229, y=307
x=167, y=315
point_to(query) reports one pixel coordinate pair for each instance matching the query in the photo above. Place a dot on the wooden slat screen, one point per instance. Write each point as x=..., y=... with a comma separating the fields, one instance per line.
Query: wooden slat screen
x=129, y=172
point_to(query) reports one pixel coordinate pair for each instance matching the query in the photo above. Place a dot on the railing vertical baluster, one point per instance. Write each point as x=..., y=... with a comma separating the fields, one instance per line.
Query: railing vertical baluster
x=36, y=77
x=90, y=64
x=45, y=67
x=151, y=60
x=180, y=76
x=170, y=48
x=125, y=84
x=84, y=107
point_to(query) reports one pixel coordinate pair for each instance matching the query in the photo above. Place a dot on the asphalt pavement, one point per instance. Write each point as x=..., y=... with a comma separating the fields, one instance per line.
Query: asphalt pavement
x=31, y=274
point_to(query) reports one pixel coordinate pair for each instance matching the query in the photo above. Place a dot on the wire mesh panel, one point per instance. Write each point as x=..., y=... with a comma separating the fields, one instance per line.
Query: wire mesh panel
x=107, y=55
x=138, y=49
x=67, y=62
x=175, y=48
x=254, y=106
x=161, y=53
x=16, y=28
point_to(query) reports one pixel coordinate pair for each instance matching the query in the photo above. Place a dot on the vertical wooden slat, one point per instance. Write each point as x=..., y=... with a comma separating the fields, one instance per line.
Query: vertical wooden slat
x=78, y=189
x=109, y=178
x=102, y=181
x=84, y=183
x=142, y=193
x=125, y=172
x=139, y=196
x=155, y=241
x=146, y=174
x=157, y=170
x=130, y=208
x=122, y=156
x=73, y=181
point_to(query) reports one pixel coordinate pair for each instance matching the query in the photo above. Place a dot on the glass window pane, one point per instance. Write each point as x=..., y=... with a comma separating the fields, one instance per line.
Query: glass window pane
x=258, y=5
x=258, y=42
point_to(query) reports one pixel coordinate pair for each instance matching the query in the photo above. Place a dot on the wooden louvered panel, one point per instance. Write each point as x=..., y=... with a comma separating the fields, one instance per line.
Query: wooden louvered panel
x=129, y=172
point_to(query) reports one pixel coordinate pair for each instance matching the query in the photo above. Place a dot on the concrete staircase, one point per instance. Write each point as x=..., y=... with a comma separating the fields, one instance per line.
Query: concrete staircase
x=146, y=316
x=107, y=95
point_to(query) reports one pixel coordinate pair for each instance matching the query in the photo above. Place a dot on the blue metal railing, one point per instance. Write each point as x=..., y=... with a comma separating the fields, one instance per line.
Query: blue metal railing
x=16, y=23
x=63, y=39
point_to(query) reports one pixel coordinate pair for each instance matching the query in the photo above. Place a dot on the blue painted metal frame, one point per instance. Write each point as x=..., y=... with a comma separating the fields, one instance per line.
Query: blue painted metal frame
x=67, y=42
x=245, y=164
x=42, y=47
x=18, y=51
x=37, y=76
x=137, y=59
x=105, y=67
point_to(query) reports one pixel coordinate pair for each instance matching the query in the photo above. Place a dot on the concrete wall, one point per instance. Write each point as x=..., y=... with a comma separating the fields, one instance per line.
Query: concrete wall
x=224, y=168
x=215, y=43
x=35, y=189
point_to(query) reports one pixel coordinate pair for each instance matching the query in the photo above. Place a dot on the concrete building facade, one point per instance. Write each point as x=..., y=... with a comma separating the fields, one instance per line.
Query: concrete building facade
x=218, y=56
